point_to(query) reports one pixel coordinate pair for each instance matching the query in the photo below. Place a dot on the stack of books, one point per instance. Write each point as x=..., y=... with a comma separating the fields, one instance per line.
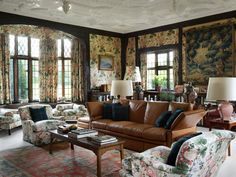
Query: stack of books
x=81, y=133
x=104, y=139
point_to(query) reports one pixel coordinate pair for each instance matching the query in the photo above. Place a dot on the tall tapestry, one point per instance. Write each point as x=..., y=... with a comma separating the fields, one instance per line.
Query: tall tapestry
x=208, y=53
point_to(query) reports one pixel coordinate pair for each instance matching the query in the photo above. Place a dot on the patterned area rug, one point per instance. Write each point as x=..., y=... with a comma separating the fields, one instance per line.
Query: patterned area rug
x=64, y=162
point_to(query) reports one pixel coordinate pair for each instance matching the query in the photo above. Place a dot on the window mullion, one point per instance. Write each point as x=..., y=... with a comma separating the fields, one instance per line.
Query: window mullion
x=63, y=67
x=30, y=75
x=15, y=71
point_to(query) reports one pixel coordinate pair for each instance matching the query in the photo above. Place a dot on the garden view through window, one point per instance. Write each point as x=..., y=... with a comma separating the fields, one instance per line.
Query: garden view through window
x=160, y=63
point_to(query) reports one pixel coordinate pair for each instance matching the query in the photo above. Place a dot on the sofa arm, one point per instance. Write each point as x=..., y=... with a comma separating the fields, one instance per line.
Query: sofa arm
x=188, y=119
x=95, y=110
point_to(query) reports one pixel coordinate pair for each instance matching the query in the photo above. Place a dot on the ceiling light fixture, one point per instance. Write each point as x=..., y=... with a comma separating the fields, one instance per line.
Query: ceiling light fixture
x=66, y=6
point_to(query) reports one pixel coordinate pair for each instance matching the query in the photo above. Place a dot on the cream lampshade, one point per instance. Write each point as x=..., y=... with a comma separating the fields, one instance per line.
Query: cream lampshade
x=121, y=88
x=222, y=89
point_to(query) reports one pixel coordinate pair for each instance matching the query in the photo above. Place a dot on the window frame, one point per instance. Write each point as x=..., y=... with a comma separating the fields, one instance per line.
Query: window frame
x=167, y=67
x=15, y=59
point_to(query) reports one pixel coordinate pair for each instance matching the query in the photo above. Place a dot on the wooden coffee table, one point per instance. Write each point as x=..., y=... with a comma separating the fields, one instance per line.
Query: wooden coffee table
x=99, y=150
x=221, y=124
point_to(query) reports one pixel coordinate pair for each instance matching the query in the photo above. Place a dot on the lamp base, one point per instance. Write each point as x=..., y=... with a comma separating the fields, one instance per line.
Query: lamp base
x=226, y=110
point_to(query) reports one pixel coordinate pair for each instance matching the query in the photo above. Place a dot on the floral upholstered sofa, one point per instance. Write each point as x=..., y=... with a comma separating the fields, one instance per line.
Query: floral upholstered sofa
x=38, y=133
x=70, y=111
x=199, y=156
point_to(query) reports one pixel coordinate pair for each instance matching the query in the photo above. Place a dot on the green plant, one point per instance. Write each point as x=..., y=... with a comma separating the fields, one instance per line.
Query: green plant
x=159, y=80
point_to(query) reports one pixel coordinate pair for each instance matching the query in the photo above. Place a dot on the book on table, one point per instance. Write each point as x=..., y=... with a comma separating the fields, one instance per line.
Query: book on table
x=103, y=143
x=76, y=136
x=83, y=131
x=103, y=139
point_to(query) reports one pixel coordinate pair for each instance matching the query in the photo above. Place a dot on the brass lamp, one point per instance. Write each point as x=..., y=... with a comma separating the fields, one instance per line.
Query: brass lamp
x=222, y=89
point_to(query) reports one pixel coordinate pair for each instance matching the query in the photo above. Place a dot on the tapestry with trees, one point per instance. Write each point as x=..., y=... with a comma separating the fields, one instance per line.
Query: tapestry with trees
x=209, y=54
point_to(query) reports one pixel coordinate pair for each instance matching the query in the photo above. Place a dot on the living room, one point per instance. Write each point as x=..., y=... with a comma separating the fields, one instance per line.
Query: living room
x=53, y=52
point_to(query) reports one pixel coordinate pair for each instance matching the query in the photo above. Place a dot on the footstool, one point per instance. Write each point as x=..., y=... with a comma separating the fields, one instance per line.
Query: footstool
x=9, y=119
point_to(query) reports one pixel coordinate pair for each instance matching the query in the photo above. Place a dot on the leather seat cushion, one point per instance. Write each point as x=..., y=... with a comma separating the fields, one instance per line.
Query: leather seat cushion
x=155, y=133
x=118, y=126
x=136, y=129
x=101, y=123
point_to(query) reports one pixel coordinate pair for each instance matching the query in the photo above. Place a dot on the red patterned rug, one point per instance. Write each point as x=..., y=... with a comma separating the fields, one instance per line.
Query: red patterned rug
x=64, y=162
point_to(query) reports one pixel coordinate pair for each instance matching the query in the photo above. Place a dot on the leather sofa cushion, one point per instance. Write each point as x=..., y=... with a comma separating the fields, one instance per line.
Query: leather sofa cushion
x=154, y=110
x=95, y=110
x=155, y=133
x=101, y=123
x=118, y=126
x=137, y=110
x=181, y=105
x=136, y=129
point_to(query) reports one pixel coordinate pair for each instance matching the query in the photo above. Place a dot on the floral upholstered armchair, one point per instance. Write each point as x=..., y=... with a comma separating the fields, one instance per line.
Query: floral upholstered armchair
x=199, y=156
x=37, y=133
x=70, y=111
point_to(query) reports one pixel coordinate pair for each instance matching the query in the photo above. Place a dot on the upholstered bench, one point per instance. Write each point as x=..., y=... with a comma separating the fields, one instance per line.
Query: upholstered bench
x=9, y=119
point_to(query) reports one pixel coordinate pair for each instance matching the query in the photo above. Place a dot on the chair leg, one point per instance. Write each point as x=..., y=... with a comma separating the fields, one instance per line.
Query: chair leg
x=9, y=131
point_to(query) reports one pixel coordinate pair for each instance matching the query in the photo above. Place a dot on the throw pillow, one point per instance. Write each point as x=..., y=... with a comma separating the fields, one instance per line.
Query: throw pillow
x=162, y=119
x=38, y=114
x=120, y=112
x=172, y=118
x=176, y=147
x=107, y=111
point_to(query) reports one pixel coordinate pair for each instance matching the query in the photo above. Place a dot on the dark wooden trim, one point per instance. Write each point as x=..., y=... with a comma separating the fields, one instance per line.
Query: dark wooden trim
x=124, y=43
x=163, y=47
x=137, y=53
x=233, y=49
x=221, y=16
x=30, y=73
x=15, y=68
x=180, y=57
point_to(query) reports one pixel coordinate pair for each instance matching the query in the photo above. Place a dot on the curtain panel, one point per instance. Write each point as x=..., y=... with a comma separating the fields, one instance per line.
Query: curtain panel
x=4, y=69
x=77, y=75
x=48, y=70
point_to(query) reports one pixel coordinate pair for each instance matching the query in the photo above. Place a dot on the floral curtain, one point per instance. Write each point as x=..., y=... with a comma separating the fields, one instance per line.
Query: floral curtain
x=143, y=68
x=4, y=69
x=48, y=70
x=77, y=72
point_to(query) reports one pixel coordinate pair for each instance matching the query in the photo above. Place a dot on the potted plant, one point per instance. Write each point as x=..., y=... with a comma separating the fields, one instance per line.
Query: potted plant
x=159, y=81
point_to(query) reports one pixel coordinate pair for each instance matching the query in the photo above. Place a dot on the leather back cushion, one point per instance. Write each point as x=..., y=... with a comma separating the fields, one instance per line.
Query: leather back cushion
x=154, y=110
x=137, y=110
x=95, y=109
x=181, y=105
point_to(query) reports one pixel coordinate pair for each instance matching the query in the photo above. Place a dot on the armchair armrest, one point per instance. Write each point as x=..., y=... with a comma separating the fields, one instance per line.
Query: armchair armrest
x=56, y=118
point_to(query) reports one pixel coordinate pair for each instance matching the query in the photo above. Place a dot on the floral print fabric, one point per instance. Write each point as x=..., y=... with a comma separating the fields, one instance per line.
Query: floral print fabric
x=37, y=133
x=199, y=156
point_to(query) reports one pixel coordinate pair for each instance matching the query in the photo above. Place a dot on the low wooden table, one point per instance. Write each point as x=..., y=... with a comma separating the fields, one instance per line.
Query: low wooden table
x=99, y=150
x=221, y=124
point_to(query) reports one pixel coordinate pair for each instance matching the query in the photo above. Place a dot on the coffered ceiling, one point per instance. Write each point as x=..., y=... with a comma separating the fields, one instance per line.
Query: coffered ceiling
x=121, y=16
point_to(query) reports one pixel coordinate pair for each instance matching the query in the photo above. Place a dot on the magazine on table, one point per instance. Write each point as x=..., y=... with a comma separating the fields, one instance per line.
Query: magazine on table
x=76, y=136
x=103, y=138
x=103, y=143
x=83, y=131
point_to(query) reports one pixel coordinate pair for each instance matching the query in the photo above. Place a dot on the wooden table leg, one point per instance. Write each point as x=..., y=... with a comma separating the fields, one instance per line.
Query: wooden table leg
x=229, y=150
x=50, y=145
x=72, y=146
x=99, y=164
x=121, y=152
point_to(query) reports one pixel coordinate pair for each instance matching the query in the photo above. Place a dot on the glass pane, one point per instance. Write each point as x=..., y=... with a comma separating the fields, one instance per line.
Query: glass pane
x=59, y=48
x=164, y=74
x=23, y=79
x=150, y=76
x=35, y=79
x=59, y=86
x=34, y=47
x=22, y=45
x=67, y=48
x=67, y=79
x=171, y=79
x=12, y=44
x=11, y=80
x=151, y=60
x=162, y=59
x=171, y=59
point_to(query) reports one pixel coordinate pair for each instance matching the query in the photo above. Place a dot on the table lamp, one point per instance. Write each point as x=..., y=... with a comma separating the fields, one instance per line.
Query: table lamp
x=121, y=88
x=133, y=73
x=222, y=89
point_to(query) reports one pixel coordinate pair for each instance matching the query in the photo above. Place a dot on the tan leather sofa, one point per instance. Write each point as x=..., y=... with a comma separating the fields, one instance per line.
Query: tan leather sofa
x=140, y=132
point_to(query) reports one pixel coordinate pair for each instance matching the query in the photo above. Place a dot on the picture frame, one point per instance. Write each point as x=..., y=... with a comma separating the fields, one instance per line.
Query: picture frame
x=106, y=62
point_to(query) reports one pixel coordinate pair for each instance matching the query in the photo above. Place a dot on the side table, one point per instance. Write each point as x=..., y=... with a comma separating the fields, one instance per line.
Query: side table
x=221, y=124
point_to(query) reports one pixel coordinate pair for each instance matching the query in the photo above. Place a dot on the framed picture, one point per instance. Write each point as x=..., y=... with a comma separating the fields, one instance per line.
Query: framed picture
x=106, y=62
